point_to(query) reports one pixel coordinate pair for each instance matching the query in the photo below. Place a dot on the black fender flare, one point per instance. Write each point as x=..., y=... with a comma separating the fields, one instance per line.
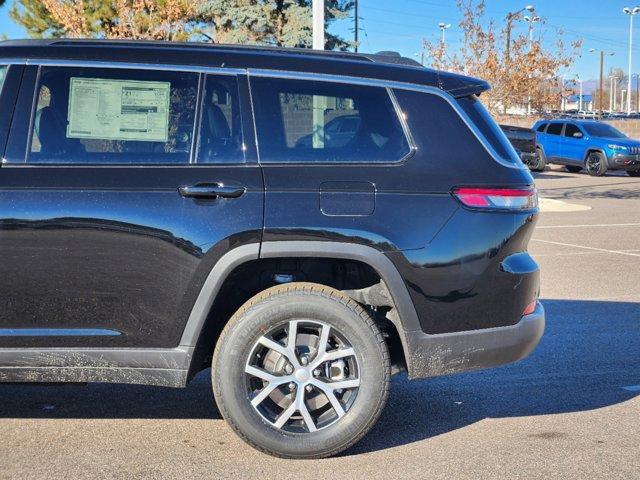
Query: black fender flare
x=406, y=320
x=592, y=149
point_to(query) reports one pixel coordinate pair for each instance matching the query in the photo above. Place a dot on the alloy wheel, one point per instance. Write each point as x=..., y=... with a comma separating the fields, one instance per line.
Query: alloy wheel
x=302, y=376
x=593, y=163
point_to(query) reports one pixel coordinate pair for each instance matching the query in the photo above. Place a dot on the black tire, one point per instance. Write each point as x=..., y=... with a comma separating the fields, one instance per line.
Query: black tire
x=633, y=173
x=595, y=164
x=573, y=169
x=271, y=310
x=541, y=163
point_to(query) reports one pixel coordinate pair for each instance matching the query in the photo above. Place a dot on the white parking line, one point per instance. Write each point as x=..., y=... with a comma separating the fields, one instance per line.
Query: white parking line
x=588, y=226
x=587, y=248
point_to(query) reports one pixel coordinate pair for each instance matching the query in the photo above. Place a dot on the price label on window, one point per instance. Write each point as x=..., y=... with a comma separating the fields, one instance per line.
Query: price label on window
x=118, y=109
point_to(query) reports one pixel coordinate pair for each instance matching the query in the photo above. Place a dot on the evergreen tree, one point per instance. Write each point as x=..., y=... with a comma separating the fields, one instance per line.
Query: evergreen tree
x=271, y=22
x=286, y=23
x=39, y=21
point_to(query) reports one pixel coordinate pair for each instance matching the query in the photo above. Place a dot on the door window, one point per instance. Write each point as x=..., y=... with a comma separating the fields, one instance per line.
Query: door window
x=554, y=129
x=307, y=121
x=220, y=139
x=570, y=129
x=542, y=127
x=113, y=116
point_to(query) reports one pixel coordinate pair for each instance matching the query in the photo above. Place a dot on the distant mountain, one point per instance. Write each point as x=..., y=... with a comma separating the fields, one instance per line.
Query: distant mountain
x=591, y=86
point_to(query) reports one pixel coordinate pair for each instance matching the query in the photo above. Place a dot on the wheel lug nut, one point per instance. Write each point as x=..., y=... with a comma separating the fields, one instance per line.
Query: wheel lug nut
x=292, y=386
x=288, y=369
x=308, y=388
x=304, y=360
x=316, y=372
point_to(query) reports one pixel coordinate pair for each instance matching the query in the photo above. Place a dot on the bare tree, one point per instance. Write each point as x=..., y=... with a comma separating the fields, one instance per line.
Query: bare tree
x=528, y=74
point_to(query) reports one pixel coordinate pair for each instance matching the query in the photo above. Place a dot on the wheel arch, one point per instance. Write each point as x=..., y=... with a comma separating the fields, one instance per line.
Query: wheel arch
x=596, y=150
x=541, y=148
x=405, y=319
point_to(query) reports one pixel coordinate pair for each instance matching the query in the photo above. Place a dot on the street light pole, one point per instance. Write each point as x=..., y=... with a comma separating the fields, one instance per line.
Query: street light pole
x=601, y=95
x=637, y=92
x=510, y=18
x=580, y=97
x=601, y=81
x=318, y=24
x=443, y=26
x=355, y=32
x=631, y=12
x=319, y=103
x=531, y=21
x=612, y=93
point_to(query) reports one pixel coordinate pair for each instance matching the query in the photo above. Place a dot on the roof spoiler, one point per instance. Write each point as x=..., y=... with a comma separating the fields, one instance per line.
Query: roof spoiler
x=461, y=85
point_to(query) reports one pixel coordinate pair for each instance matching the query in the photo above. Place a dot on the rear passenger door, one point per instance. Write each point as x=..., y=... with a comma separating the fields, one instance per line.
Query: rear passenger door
x=120, y=189
x=553, y=142
x=321, y=187
x=573, y=147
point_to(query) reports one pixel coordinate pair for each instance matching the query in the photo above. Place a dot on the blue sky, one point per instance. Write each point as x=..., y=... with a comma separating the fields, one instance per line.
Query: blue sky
x=402, y=24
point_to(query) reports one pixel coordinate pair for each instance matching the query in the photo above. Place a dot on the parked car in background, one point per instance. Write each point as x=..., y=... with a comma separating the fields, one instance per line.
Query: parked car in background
x=589, y=144
x=524, y=141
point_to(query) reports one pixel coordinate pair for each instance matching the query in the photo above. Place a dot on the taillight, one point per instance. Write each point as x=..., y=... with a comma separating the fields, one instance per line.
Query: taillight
x=497, y=198
x=529, y=309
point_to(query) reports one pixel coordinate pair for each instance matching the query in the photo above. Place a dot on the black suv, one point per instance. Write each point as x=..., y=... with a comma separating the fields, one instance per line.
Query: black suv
x=165, y=208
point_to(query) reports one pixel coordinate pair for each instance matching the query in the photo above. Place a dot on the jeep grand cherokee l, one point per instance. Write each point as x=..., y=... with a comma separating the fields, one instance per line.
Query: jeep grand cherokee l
x=160, y=214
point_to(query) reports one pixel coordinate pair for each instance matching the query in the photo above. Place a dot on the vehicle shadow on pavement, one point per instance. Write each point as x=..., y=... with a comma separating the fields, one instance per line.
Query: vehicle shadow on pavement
x=588, y=354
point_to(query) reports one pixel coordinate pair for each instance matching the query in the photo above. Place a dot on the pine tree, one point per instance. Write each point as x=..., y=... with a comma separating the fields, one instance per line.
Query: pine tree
x=284, y=23
x=40, y=22
x=271, y=22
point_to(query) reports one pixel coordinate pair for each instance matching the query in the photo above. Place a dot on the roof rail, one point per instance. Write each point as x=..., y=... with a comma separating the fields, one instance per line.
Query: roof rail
x=387, y=57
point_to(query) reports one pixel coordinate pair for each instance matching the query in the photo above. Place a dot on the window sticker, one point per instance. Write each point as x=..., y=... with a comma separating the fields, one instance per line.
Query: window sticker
x=118, y=109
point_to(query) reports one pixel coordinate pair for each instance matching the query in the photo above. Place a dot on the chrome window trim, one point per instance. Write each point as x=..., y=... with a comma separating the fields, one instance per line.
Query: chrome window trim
x=391, y=84
x=319, y=163
x=259, y=72
x=47, y=62
x=402, y=118
x=200, y=71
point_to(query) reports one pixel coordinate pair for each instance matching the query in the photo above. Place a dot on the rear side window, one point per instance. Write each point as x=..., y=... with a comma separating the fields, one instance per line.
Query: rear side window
x=554, y=129
x=113, y=116
x=220, y=139
x=482, y=119
x=570, y=129
x=305, y=121
x=3, y=74
x=541, y=127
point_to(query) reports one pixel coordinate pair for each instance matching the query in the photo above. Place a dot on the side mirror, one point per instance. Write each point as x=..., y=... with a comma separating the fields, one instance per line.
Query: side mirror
x=578, y=135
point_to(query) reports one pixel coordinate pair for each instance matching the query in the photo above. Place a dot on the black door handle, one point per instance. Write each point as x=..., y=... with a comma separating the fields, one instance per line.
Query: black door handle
x=211, y=190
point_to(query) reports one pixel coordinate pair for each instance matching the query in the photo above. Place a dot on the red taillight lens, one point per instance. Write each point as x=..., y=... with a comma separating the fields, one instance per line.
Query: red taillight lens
x=498, y=198
x=530, y=308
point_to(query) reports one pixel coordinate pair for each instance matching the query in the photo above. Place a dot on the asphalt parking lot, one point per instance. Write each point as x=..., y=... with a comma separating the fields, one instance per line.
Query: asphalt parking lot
x=570, y=410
